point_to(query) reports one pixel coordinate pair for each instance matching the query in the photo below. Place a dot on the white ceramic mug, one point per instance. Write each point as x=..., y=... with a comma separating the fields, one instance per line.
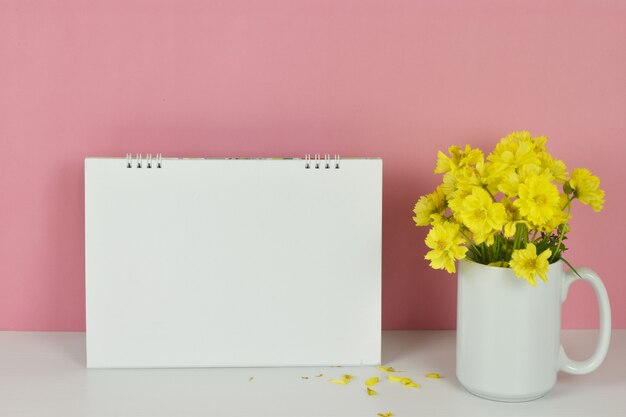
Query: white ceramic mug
x=508, y=332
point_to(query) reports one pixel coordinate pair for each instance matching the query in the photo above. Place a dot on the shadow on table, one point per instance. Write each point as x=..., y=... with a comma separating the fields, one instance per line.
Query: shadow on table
x=432, y=349
x=70, y=348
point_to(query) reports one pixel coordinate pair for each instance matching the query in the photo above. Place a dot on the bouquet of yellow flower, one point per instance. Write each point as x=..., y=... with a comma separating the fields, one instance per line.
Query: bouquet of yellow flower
x=504, y=211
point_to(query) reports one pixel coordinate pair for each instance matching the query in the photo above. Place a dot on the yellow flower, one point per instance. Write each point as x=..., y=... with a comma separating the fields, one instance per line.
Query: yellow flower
x=560, y=216
x=540, y=143
x=455, y=202
x=527, y=264
x=437, y=219
x=445, y=241
x=428, y=205
x=447, y=163
x=587, y=188
x=556, y=167
x=513, y=151
x=481, y=215
x=509, y=184
x=513, y=217
x=458, y=158
x=517, y=156
x=449, y=183
x=538, y=200
x=488, y=237
x=467, y=178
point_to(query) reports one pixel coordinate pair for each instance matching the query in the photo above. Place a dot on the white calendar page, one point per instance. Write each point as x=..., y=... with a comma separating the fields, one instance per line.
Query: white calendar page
x=233, y=262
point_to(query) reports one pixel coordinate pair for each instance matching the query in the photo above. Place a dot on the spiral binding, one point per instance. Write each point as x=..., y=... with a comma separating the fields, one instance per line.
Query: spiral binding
x=317, y=161
x=140, y=162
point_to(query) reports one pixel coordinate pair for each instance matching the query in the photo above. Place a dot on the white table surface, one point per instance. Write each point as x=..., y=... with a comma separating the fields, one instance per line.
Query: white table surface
x=44, y=374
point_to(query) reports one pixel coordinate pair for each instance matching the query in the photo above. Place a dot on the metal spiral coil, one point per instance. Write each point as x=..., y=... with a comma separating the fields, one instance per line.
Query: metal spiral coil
x=316, y=162
x=140, y=162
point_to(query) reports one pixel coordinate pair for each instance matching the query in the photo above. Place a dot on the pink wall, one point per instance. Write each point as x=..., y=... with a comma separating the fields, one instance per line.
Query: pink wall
x=396, y=79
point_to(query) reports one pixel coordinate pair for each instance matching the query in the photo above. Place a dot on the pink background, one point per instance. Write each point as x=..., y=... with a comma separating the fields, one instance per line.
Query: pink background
x=395, y=79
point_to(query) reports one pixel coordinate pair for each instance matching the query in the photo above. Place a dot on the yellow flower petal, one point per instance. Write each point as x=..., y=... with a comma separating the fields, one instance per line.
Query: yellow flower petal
x=526, y=264
x=388, y=414
x=481, y=215
x=428, y=205
x=395, y=378
x=434, y=375
x=387, y=369
x=587, y=188
x=372, y=381
x=538, y=200
x=446, y=243
x=348, y=377
x=407, y=382
x=371, y=392
x=342, y=381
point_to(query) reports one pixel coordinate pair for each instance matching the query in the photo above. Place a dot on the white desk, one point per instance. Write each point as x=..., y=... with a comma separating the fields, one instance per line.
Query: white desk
x=44, y=374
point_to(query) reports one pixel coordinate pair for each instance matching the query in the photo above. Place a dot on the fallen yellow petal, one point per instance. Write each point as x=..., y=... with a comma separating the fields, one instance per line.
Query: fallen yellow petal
x=434, y=375
x=342, y=381
x=348, y=377
x=395, y=378
x=372, y=381
x=389, y=414
x=411, y=384
x=387, y=369
x=371, y=392
x=407, y=382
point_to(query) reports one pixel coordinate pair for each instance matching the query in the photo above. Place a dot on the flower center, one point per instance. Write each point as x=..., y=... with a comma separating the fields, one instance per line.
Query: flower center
x=530, y=264
x=540, y=199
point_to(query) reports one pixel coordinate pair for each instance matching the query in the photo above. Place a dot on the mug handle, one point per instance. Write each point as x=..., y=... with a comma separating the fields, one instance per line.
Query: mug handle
x=591, y=364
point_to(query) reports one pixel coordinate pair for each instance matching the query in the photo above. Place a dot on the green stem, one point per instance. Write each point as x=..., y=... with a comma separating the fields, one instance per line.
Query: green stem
x=571, y=267
x=476, y=254
x=471, y=246
x=497, y=246
x=516, y=240
x=569, y=200
x=563, y=227
x=489, y=192
x=534, y=235
x=465, y=236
